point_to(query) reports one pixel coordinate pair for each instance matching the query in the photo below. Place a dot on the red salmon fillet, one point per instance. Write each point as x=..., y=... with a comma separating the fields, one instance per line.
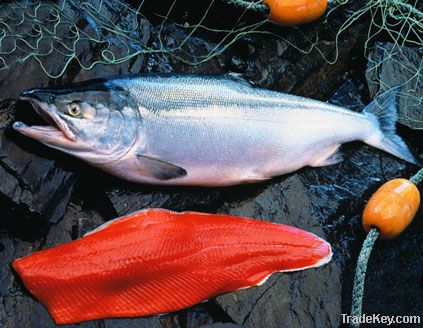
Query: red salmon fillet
x=156, y=261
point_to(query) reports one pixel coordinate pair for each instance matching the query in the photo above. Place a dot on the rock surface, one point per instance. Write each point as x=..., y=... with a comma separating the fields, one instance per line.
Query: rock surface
x=327, y=201
x=30, y=183
x=392, y=66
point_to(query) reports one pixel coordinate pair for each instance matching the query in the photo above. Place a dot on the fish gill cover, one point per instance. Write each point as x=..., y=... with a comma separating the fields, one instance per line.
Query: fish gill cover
x=53, y=33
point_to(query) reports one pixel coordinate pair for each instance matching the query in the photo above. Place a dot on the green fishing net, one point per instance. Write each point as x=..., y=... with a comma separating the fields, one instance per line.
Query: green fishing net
x=55, y=33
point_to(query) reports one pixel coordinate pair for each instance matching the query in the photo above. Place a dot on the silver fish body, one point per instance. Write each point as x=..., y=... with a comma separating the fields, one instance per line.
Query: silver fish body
x=208, y=131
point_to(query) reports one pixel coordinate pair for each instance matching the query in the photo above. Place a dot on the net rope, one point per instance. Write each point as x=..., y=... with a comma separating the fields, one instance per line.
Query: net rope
x=43, y=31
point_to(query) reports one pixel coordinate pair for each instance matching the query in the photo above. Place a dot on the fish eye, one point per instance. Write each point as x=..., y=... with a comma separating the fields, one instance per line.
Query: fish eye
x=74, y=109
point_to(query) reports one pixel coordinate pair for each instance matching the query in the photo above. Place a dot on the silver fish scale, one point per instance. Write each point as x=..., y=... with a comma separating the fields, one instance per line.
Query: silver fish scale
x=186, y=92
x=224, y=132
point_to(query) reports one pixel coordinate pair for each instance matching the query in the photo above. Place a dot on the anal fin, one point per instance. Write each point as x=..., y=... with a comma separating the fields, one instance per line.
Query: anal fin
x=329, y=156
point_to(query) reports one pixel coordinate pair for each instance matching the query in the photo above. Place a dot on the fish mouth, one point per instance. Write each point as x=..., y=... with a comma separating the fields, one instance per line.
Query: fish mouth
x=57, y=132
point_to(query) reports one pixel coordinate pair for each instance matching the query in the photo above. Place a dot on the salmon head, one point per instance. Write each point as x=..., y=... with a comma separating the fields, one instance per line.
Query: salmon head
x=94, y=121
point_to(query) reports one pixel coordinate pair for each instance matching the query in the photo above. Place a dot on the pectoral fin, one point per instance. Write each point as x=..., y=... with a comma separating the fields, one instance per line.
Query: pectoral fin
x=329, y=156
x=159, y=169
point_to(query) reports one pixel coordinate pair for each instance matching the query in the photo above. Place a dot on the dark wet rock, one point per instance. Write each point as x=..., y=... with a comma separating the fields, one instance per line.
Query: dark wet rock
x=127, y=197
x=56, y=57
x=123, y=19
x=14, y=81
x=128, y=200
x=238, y=64
x=305, y=69
x=327, y=201
x=33, y=184
x=17, y=308
x=196, y=49
x=153, y=322
x=18, y=76
x=394, y=66
x=13, y=249
x=222, y=325
x=196, y=316
x=76, y=223
x=347, y=96
x=28, y=311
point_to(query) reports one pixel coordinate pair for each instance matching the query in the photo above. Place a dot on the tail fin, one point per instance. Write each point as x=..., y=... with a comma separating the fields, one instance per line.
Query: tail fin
x=383, y=112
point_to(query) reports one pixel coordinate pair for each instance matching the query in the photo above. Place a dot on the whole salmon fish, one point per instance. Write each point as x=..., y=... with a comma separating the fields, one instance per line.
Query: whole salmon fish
x=156, y=261
x=209, y=131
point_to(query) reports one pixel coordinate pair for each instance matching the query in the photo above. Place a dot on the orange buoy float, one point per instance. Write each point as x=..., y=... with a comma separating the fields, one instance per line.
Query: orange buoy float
x=295, y=12
x=392, y=208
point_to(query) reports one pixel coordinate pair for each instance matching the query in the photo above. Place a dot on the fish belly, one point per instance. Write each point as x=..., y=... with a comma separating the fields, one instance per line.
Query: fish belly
x=131, y=266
